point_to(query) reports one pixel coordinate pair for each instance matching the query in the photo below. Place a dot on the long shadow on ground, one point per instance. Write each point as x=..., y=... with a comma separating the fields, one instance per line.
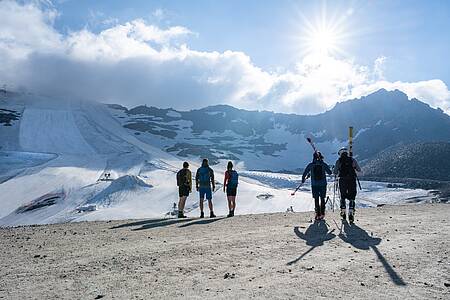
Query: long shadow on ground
x=359, y=238
x=201, y=222
x=152, y=223
x=315, y=236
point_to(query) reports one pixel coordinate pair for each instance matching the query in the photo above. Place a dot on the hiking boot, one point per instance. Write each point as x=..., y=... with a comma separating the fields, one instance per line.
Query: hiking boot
x=322, y=216
x=202, y=215
x=351, y=218
x=181, y=216
x=212, y=215
x=343, y=215
x=317, y=217
x=230, y=214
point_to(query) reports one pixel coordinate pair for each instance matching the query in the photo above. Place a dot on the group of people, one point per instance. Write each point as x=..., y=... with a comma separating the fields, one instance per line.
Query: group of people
x=205, y=184
x=344, y=170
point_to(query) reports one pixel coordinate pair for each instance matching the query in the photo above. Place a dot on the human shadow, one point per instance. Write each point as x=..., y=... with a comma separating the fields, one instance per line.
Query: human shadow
x=360, y=239
x=315, y=236
x=201, y=222
x=149, y=224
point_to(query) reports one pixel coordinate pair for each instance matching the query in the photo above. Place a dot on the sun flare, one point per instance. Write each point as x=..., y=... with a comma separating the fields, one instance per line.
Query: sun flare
x=322, y=42
x=322, y=35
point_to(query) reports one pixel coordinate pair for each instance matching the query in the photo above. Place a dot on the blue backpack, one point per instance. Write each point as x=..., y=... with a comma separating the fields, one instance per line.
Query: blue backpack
x=234, y=179
x=203, y=176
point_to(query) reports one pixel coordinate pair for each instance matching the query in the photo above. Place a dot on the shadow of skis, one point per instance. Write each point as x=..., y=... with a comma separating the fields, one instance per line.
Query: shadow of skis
x=360, y=239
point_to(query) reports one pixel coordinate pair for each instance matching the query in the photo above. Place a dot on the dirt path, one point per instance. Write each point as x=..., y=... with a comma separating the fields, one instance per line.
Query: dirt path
x=392, y=252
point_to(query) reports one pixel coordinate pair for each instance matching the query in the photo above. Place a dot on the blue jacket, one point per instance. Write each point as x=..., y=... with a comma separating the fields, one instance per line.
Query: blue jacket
x=310, y=170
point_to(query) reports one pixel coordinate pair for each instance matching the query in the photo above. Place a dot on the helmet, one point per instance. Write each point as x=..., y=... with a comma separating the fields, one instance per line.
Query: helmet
x=317, y=155
x=342, y=150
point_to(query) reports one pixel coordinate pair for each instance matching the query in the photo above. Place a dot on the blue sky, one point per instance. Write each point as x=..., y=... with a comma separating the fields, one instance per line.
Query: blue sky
x=413, y=35
x=250, y=54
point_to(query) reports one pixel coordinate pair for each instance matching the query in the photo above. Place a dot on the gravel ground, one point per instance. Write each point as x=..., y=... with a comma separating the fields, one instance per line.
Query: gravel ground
x=398, y=252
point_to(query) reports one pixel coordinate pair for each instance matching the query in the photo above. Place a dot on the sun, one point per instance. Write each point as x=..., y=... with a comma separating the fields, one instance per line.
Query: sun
x=322, y=41
x=323, y=34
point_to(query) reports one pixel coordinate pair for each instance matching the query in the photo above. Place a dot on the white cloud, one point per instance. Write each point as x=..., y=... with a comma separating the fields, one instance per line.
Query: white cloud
x=136, y=63
x=434, y=92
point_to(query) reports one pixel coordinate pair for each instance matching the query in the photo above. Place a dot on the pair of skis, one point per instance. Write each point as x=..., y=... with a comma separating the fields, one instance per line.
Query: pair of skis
x=350, y=150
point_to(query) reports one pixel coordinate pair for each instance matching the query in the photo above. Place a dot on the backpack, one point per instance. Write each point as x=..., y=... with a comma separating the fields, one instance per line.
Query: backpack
x=182, y=178
x=318, y=171
x=204, y=176
x=346, y=169
x=234, y=179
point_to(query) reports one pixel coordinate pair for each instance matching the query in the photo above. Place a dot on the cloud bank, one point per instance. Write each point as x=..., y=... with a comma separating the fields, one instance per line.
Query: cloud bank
x=139, y=63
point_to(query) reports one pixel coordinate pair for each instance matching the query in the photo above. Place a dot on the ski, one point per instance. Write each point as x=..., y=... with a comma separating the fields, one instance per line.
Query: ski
x=350, y=150
x=312, y=144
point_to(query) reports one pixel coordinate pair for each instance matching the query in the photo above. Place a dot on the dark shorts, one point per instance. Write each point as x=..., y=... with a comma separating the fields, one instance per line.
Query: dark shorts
x=347, y=187
x=319, y=191
x=231, y=191
x=183, y=191
x=205, y=191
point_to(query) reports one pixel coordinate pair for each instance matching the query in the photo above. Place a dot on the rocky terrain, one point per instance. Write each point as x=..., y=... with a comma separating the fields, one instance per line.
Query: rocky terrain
x=417, y=165
x=393, y=252
x=417, y=161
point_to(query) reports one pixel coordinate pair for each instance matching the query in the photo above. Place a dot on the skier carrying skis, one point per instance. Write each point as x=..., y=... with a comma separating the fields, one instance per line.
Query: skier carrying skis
x=230, y=184
x=345, y=169
x=184, y=183
x=203, y=181
x=317, y=169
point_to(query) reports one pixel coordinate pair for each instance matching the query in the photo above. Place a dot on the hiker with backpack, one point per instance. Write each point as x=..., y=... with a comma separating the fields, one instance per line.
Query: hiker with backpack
x=204, y=179
x=317, y=169
x=345, y=169
x=184, y=183
x=230, y=184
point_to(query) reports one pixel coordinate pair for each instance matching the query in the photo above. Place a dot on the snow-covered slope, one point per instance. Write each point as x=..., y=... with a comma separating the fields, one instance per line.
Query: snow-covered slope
x=54, y=154
x=64, y=147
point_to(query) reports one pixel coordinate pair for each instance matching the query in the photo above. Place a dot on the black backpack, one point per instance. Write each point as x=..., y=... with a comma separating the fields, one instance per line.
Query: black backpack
x=182, y=178
x=317, y=171
x=346, y=169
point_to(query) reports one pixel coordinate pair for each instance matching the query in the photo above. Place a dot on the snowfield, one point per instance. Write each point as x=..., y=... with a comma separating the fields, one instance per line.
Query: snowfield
x=67, y=146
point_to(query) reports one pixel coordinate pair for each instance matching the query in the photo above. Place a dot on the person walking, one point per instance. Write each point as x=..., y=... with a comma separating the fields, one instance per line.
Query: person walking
x=345, y=169
x=204, y=179
x=230, y=184
x=184, y=183
x=317, y=169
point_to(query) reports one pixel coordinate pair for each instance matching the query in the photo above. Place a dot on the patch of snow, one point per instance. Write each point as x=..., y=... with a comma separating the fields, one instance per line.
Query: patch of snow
x=173, y=114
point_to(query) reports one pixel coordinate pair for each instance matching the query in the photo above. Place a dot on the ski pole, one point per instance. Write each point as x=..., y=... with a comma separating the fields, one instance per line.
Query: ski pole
x=299, y=186
x=334, y=192
x=359, y=183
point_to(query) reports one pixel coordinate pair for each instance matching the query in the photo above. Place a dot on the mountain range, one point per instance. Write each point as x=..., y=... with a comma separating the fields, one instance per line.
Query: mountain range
x=265, y=140
x=55, y=154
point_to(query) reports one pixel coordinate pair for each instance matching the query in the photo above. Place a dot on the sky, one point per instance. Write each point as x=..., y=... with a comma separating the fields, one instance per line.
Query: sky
x=285, y=56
